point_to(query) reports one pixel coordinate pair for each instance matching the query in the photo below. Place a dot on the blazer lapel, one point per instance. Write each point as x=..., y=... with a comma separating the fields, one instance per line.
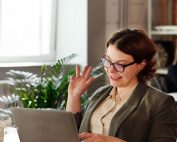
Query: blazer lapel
x=127, y=108
x=85, y=122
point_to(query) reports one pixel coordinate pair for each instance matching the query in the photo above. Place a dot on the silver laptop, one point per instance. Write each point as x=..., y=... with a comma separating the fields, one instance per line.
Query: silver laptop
x=34, y=125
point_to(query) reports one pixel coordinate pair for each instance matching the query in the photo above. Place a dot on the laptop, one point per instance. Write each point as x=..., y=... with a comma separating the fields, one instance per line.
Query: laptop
x=36, y=125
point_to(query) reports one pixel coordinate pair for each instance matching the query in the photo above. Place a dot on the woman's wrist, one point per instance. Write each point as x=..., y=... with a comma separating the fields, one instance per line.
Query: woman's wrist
x=73, y=104
x=74, y=97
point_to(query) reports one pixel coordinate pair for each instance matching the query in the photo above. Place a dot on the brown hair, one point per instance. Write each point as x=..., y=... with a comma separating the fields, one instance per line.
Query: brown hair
x=137, y=44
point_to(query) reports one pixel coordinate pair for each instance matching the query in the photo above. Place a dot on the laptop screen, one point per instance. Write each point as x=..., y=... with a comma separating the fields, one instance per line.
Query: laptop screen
x=35, y=125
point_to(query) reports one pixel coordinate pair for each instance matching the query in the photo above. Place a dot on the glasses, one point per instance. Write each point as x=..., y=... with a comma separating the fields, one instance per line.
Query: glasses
x=117, y=66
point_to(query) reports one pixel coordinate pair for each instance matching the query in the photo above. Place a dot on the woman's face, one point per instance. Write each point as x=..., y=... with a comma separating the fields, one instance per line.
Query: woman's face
x=121, y=79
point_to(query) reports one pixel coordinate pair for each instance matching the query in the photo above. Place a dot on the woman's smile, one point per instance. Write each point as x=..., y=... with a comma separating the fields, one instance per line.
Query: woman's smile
x=115, y=78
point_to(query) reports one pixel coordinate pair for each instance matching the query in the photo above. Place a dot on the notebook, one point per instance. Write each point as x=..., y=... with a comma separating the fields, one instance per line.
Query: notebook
x=35, y=125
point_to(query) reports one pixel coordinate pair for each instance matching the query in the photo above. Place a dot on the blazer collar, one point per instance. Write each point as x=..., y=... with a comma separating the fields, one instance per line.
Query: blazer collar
x=127, y=108
x=121, y=115
x=86, y=119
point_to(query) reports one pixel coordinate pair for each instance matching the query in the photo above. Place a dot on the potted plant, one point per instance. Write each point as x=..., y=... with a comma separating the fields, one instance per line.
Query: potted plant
x=49, y=89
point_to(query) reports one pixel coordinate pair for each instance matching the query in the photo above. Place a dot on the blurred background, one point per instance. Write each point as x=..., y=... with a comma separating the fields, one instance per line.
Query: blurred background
x=37, y=32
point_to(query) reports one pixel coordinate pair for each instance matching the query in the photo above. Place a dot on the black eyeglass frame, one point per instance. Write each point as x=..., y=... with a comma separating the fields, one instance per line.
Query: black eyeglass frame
x=123, y=66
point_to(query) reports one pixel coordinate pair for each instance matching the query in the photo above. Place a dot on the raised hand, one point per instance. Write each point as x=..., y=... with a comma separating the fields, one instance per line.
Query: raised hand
x=78, y=85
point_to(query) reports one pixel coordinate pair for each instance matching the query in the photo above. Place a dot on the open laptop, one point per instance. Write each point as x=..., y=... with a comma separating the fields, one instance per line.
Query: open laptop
x=34, y=125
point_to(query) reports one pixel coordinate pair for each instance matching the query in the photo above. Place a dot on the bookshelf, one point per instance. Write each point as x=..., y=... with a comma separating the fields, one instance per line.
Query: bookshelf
x=162, y=26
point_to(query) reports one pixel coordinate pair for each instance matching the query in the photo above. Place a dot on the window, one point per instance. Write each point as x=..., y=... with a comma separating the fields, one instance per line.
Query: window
x=27, y=30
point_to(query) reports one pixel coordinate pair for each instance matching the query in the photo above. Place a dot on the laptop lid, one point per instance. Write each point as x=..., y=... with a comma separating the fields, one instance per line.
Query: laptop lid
x=35, y=125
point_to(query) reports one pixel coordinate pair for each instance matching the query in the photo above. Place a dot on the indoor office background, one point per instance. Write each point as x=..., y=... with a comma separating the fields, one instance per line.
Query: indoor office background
x=83, y=26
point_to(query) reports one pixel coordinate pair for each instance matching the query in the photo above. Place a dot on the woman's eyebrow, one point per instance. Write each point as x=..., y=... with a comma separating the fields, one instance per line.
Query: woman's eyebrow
x=118, y=61
x=122, y=60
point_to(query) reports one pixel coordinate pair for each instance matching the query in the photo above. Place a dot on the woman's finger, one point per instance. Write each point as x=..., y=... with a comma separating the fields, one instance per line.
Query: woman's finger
x=90, y=80
x=77, y=71
x=87, y=74
x=85, y=135
x=72, y=78
x=85, y=70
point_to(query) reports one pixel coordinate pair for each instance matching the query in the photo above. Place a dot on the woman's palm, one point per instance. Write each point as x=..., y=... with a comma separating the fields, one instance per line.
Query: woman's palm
x=80, y=83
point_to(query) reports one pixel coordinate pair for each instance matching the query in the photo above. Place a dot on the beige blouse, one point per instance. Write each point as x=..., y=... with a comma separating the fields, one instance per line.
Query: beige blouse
x=101, y=117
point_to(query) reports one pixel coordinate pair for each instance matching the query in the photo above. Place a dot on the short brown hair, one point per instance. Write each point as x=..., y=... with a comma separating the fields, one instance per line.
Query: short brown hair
x=137, y=44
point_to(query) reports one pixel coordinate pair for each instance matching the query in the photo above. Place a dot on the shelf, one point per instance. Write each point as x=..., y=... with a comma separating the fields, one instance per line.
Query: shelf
x=162, y=71
x=167, y=32
x=167, y=26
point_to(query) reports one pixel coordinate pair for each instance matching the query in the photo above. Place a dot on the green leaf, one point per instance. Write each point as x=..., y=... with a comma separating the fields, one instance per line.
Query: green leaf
x=49, y=89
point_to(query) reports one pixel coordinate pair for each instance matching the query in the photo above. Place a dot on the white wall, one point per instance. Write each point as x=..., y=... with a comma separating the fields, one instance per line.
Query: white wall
x=72, y=30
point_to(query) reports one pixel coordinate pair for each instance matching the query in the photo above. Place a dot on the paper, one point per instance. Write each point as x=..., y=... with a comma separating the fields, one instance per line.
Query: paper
x=11, y=135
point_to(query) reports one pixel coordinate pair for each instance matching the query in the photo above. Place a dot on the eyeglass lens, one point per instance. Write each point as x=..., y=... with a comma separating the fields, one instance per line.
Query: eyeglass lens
x=117, y=67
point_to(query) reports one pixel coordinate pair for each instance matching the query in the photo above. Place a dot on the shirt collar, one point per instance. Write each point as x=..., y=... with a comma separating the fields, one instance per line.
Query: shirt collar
x=114, y=93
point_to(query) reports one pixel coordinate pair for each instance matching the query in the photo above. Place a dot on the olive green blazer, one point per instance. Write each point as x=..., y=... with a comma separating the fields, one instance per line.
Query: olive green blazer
x=149, y=115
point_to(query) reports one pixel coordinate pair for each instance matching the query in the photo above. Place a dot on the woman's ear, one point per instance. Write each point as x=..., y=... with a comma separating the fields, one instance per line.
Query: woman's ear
x=141, y=65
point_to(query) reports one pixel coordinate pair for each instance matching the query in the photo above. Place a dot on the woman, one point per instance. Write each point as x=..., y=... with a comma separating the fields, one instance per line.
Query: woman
x=127, y=109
